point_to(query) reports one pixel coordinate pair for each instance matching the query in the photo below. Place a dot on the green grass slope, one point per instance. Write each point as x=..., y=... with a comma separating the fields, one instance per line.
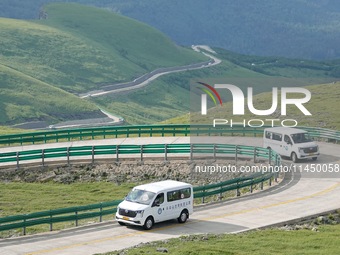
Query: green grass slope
x=23, y=98
x=323, y=106
x=79, y=48
x=258, y=242
x=76, y=49
x=169, y=96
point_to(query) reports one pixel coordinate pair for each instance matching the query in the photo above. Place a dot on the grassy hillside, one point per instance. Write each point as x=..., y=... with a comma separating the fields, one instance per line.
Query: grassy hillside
x=169, y=96
x=323, y=107
x=79, y=48
x=76, y=49
x=23, y=99
x=269, y=241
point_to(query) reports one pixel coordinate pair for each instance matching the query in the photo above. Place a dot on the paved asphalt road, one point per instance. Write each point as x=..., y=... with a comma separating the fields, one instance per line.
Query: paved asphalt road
x=146, y=78
x=300, y=194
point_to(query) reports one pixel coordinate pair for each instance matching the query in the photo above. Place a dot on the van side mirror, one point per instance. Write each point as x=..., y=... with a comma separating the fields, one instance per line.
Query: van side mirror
x=289, y=142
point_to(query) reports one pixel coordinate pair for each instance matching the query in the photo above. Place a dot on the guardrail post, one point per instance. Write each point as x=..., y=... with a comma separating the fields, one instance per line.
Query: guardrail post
x=203, y=197
x=101, y=211
x=276, y=164
x=68, y=155
x=262, y=183
x=270, y=156
x=17, y=155
x=165, y=152
x=51, y=224
x=238, y=191
x=221, y=196
x=24, y=227
x=43, y=157
x=270, y=181
x=255, y=151
x=117, y=152
x=236, y=151
x=214, y=150
x=141, y=153
x=191, y=151
x=92, y=154
x=76, y=218
x=251, y=186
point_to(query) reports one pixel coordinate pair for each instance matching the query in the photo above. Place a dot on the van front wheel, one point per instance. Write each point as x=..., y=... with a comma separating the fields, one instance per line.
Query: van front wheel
x=148, y=224
x=183, y=216
x=294, y=157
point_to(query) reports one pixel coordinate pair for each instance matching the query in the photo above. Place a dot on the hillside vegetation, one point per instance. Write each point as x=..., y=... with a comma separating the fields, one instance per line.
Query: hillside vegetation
x=323, y=240
x=24, y=99
x=323, y=106
x=292, y=28
x=169, y=96
x=76, y=49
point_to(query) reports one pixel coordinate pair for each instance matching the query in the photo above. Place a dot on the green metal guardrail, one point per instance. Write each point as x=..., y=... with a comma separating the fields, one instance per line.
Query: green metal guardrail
x=58, y=215
x=82, y=212
x=85, y=212
x=116, y=151
x=148, y=130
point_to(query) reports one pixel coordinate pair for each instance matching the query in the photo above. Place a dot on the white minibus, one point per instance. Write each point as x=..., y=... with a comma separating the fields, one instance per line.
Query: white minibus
x=155, y=202
x=290, y=142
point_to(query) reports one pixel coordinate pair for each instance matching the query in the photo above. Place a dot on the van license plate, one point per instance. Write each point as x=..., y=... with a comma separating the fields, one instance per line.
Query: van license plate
x=125, y=218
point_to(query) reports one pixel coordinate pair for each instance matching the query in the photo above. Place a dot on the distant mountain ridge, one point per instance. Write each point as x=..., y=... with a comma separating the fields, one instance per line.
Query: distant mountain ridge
x=307, y=29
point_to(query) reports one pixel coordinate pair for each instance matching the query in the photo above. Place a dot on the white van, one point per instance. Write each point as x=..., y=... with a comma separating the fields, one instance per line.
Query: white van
x=155, y=202
x=290, y=142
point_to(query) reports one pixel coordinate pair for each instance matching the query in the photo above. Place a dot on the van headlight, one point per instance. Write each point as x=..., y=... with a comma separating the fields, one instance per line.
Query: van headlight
x=140, y=212
x=301, y=150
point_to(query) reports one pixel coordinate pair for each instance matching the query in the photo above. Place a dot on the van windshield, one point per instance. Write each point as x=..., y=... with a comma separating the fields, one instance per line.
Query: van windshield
x=301, y=138
x=140, y=196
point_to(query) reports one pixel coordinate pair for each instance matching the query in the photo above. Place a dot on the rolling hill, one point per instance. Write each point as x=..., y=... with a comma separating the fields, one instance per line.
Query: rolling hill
x=169, y=96
x=77, y=48
x=307, y=29
x=323, y=107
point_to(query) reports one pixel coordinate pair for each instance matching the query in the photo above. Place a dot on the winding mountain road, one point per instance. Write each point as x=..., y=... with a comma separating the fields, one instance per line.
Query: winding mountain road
x=299, y=195
x=147, y=78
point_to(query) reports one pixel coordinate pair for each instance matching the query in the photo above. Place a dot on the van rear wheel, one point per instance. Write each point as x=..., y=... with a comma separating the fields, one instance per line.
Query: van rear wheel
x=294, y=157
x=148, y=224
x=315, y=158
x=183, y=216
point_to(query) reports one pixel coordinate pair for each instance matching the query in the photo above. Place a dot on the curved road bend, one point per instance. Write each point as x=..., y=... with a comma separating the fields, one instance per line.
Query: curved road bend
x=299, y=196
x=147, y=78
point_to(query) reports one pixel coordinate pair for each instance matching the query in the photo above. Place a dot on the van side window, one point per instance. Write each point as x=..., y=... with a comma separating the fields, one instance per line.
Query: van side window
x=178, y=194
x=160, y=198
x=185, y=193
x=173, y=195
x=268, y=135
x=277, y=137
x=287, y=139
